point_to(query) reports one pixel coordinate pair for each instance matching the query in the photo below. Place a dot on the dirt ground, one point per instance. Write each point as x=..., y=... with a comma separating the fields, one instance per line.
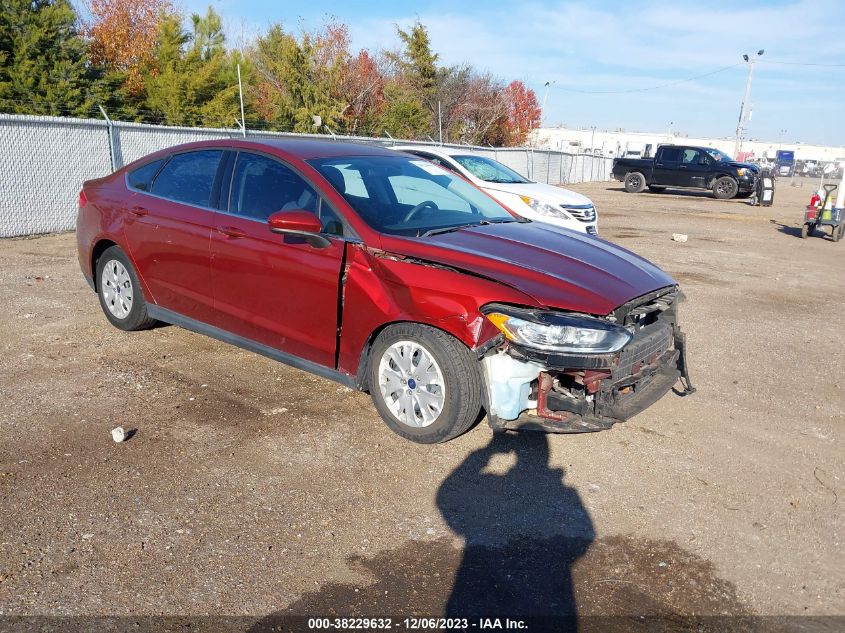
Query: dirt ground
x=254, y=489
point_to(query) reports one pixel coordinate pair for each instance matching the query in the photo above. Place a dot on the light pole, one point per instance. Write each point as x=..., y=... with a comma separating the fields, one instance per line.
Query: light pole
x=739, y=128
x=545, y=98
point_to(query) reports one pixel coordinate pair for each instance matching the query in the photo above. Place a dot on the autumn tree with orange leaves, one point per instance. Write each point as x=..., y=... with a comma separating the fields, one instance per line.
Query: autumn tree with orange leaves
x=123, y=34
x=143, y=60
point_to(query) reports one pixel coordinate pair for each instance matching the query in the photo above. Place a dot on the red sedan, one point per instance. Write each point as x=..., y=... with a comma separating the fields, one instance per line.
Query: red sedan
x=388, y=274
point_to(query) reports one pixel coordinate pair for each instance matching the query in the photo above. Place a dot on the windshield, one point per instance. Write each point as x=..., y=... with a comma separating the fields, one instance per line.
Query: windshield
x=402, y=195
x=719, y=155
x=489, y=170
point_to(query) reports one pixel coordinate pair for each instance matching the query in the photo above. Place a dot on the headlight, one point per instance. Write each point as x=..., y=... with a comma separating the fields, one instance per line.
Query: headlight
x=558, y=332
x=741, y=171
x=545, y=209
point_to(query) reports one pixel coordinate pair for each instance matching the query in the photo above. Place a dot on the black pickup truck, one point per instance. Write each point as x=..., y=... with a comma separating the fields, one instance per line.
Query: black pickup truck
x=687, y=167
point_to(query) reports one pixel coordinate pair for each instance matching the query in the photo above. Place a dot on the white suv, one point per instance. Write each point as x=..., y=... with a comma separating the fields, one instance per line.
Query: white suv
x=532, y=200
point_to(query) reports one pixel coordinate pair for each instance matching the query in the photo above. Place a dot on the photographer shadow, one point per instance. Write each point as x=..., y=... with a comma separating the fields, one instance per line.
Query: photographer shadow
x=524, y=529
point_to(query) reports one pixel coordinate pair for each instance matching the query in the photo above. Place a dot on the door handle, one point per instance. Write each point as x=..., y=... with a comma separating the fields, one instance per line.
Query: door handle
x=139, y=211
x=683, y=167
x=231, y=231
x=659, y=165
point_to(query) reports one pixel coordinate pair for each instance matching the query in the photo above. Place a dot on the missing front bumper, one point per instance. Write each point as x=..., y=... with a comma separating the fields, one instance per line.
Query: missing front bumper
x=524, y=394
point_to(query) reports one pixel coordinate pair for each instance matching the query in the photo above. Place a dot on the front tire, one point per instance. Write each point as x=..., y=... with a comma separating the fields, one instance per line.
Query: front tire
x=725, y=188
x=121, y=297
x=424, y=383
x=634, y=182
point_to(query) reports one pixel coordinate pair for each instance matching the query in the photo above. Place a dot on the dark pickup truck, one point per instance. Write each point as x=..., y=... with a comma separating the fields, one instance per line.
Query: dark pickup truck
x=687, y=167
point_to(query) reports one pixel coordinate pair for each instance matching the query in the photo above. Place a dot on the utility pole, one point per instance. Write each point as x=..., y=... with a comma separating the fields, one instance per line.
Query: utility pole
x=545, y=98
x=739, y=128
x=241, y=93
x=440, y=121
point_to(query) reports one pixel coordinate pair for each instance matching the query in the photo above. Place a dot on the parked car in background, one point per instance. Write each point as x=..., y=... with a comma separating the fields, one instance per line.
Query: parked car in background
x=532, y=200
x=385, y=273
x=682, y=166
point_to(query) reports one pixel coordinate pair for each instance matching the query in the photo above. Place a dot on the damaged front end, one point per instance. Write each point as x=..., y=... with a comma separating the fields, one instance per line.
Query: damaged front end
x=570, y=373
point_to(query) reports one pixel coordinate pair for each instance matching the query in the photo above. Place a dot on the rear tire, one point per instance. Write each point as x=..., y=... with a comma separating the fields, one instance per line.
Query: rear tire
x=121, y=297
x=725, y=188
x=424, y=383
x=805, y=231
x=654, y=189
x=836, y=234
x=634, y=182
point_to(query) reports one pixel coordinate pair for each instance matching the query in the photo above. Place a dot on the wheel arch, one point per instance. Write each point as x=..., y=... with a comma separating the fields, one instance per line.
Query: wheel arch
x=364, y=357
x=100, y=247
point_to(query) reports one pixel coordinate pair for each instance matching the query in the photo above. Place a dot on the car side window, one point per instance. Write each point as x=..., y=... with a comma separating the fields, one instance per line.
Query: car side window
x=189, y=177
x=671, y=154
x=262, y=186
x=691, y=156
x=142, y=177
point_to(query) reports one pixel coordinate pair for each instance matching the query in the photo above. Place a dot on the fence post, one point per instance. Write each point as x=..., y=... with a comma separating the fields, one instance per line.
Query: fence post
x=110, y=132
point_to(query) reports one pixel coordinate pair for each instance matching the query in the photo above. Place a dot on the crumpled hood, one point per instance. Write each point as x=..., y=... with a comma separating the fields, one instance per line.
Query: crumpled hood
x=556, y=267
x=537, y=190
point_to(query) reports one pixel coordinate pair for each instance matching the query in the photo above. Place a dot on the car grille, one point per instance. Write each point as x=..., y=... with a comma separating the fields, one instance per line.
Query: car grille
x=582, y=212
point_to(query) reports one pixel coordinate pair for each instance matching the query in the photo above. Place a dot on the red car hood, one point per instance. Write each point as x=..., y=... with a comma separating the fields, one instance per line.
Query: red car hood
x=556, y=267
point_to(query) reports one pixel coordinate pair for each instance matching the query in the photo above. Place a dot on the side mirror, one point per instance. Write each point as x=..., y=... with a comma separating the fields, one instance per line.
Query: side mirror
x=298, y=223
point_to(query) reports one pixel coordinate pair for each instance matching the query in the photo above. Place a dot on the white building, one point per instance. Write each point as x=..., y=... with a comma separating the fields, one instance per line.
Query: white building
x=618, y=143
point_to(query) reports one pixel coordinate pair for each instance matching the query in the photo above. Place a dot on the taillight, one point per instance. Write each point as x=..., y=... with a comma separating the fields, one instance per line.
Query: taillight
x=82, y=199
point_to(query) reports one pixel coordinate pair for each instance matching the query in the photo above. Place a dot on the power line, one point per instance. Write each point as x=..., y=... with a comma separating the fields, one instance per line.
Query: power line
x=657, y=87
x=771, y=61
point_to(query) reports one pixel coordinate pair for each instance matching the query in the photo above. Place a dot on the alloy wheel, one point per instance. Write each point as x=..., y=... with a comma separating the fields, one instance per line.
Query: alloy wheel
x=411, y=384
x=116, y=286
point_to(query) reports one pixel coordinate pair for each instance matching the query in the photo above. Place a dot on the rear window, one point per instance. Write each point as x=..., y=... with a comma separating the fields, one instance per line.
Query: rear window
x=189, y=177
x=141, y=177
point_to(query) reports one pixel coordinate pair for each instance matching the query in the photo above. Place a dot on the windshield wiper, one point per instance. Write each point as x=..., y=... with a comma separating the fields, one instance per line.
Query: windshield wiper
x=451, y=229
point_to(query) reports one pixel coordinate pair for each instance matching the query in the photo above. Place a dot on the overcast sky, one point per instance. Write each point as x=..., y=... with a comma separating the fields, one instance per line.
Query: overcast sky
x=596, y=47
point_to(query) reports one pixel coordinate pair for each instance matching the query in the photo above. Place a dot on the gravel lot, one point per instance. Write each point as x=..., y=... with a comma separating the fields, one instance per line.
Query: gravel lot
x=253, y=489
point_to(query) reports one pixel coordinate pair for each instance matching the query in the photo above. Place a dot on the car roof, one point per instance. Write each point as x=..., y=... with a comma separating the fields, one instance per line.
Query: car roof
x=698, y=147
x=312, y=148
x=443, y=151
x=300, y=148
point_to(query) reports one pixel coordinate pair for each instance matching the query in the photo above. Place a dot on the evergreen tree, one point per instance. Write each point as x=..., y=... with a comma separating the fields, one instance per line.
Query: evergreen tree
x=43, y=67
x=420, y=64
x=297, y=82
x=194, y=80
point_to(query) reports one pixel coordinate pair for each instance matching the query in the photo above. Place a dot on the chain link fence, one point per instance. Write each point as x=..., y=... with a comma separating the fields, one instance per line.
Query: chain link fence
x=45, y=160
